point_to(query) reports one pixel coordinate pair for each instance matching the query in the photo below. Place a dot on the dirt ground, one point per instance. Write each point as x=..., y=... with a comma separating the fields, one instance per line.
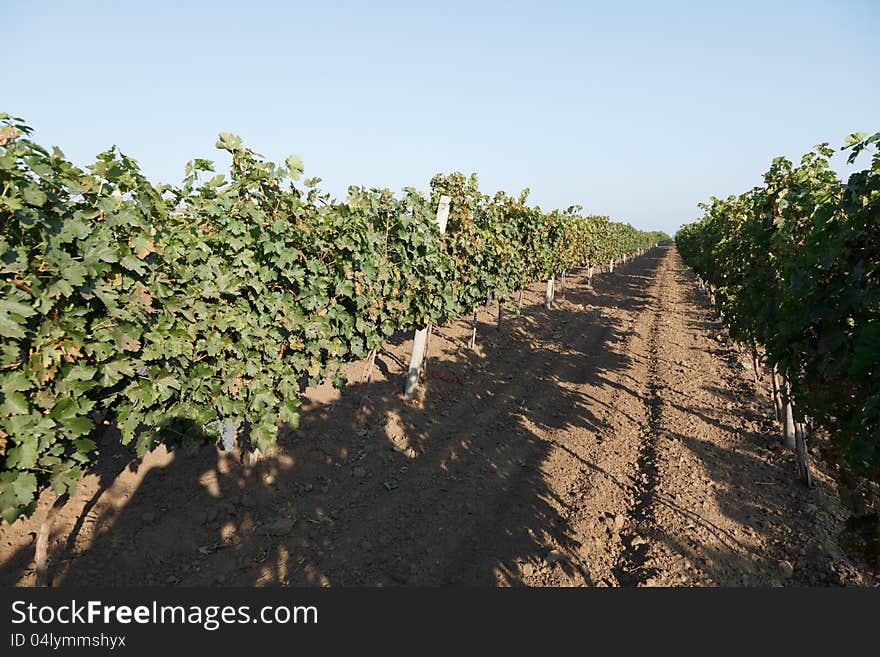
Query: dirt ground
x=612, y=441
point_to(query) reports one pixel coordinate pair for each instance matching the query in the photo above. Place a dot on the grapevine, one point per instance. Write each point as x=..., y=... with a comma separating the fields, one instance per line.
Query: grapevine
x=795, y=267
x=201, y=311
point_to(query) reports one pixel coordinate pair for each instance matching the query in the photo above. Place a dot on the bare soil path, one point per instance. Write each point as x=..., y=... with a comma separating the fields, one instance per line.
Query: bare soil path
x=612, y=441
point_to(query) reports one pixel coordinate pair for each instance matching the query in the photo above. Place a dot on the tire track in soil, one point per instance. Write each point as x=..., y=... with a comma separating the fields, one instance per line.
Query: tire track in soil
x=631, y=569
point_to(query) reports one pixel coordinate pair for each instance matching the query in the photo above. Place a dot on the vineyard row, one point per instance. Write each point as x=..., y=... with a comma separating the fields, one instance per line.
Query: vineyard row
x=203, y=310
x=794, y=267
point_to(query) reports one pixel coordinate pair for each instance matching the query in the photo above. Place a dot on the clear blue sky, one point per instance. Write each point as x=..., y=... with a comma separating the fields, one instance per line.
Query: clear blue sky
x=637, y=110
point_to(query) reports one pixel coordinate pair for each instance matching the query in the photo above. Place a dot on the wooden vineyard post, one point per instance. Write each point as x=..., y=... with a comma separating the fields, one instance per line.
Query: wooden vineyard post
x=590, y=277
x=500, y=310
x=415, y=362
x=427, y=350
x=755, y=366
x=473, y=341
x=777, y=399
x=787, y=417
x=421, y=337
x=611, y=266
x=803, y=459
x=794, y=434
x=548, y=299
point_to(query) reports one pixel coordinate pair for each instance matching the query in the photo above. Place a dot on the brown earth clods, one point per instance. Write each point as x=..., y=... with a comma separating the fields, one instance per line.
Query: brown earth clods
x=614, y=440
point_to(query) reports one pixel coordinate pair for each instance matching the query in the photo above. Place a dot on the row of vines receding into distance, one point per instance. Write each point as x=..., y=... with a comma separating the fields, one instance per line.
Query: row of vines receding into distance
x=794, y=266
x=203, y=310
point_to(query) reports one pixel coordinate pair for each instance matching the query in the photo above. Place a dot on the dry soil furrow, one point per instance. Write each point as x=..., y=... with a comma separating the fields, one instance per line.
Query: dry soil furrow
x=684, y=482
x=719, y=503
x=596, y=468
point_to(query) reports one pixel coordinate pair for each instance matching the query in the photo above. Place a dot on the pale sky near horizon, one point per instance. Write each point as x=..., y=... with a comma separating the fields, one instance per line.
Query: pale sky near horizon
x=636, y=110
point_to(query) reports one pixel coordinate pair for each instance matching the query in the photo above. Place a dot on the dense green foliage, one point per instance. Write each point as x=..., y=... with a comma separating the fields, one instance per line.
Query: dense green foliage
x=795, y=267
x=186, y=312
